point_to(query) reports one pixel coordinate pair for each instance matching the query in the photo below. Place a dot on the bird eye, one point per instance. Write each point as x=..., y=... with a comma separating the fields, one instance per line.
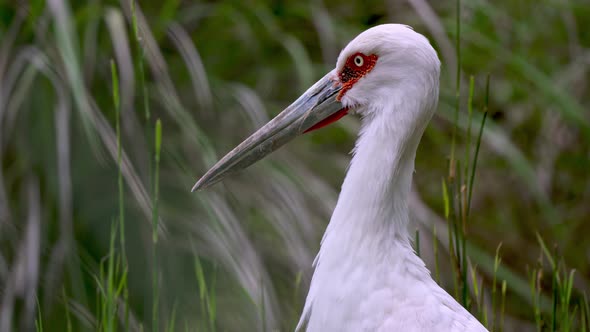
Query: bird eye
x=358, y=60
x=356, y=66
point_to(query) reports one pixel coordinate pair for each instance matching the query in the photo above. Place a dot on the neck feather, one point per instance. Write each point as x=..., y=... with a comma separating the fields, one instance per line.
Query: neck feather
x=372, y=210
x=367, y=235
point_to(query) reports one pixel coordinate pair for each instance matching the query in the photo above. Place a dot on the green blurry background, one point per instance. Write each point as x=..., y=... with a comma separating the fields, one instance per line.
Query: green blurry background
x=237, y=257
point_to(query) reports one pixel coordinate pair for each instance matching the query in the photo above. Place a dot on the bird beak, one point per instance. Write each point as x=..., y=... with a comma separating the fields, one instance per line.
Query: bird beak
x=317, y=107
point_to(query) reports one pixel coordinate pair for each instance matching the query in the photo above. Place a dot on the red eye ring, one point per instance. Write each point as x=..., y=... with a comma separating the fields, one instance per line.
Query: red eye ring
x=357, y=65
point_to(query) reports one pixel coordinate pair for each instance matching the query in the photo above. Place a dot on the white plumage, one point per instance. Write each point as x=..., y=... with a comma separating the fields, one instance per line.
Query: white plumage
x=367, y=276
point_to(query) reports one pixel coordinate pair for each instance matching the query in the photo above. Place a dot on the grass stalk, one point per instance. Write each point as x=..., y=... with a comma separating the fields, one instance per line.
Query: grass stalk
x=149, y=130
x=457, y=88
x=155, y=218
x=67, y=309
x=39, y=318
x=497, y=261
x=108, y=303
x=478, y=143
x=435, y=248
x=461, y=236
x=476, y=292
x=140, y=62
x=296, y=302
x=172, y=320
x=206, y=295
x=555, y=291
x=450, y=233
x=535, y=286
x=503, y=306
x=586, y=311
x=116, y=102
x=202, y=284
x=121, y=191
x=262, y=306
x=469, y=122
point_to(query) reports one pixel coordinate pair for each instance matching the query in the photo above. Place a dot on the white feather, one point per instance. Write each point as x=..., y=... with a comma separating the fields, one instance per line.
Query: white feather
x=367, y=276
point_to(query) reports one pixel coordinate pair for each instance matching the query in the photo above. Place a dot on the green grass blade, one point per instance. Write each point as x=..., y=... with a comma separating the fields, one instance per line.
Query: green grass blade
x=478, y=143
x=155, y=218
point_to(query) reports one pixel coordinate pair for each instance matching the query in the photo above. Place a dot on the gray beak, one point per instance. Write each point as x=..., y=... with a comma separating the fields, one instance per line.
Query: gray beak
x=315, y=106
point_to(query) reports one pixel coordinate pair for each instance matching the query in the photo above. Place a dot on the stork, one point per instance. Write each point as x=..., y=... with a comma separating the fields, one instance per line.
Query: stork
x=367, y=276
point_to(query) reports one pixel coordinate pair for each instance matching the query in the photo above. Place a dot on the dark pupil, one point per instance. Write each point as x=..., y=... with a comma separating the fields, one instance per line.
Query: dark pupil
x=357, y=60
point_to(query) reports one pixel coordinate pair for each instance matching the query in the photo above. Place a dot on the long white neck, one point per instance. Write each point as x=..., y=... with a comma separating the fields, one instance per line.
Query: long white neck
x=367, y=237
x=366, y=247
x=372, y=210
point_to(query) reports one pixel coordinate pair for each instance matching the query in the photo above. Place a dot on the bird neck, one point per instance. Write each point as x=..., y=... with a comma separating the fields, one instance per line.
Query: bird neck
x=372, y=209
x=366, y=245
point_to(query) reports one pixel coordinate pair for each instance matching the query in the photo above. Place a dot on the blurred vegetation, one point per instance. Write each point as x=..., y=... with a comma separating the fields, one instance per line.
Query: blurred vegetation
x=100, y=235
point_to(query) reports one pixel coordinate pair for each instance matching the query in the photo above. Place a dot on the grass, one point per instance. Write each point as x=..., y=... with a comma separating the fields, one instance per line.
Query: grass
x=156, y=274
x=116, y=109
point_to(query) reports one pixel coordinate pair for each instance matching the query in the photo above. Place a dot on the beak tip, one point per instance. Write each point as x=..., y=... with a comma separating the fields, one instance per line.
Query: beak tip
x=198, y=186
x=205, y=182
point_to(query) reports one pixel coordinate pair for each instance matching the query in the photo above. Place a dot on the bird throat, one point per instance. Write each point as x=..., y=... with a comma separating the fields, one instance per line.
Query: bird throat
x=372, y=210
x=367, y=236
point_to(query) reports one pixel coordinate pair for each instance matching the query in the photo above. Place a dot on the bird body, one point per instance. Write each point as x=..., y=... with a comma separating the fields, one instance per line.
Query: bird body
x=367, y=276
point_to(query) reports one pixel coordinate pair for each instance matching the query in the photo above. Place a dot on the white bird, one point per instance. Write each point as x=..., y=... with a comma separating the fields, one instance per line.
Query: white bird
x=367, y=276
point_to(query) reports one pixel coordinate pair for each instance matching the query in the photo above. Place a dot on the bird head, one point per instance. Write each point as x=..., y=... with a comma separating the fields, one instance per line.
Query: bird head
x=382, y=66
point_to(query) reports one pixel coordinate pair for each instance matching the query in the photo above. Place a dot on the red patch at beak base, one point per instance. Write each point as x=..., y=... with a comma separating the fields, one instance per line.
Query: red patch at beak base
x=356, y=66
x=331, y=119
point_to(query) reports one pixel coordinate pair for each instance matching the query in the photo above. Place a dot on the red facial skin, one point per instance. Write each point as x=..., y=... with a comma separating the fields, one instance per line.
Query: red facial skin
x=349, y=75
x=352, y=72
